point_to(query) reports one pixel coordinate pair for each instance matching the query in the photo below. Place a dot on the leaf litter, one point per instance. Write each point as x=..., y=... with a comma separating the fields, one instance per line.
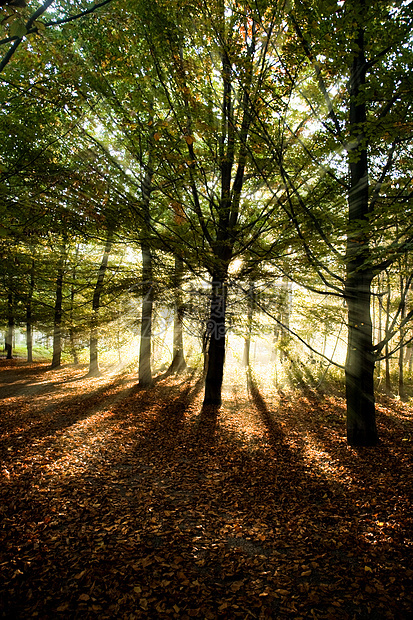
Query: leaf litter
x=120, y=502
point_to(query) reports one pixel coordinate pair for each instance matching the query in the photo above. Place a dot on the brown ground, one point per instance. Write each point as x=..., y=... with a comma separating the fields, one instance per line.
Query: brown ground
x=118, y=502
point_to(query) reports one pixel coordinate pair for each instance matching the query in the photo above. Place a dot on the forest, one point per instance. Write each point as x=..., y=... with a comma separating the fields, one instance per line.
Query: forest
x=206, y=308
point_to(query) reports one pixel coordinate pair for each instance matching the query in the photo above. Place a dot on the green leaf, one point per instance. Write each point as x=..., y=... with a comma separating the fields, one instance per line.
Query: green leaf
x=18, y=29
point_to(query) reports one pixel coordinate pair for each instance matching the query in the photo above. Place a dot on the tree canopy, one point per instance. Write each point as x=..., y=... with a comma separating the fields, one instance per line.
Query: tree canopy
x=247, y=145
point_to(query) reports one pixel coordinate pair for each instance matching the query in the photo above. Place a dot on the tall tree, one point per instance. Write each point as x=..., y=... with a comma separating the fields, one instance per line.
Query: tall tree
x=352, y=58
x=97, y=293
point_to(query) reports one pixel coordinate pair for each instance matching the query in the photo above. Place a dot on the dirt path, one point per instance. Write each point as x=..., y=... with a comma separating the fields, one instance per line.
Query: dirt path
x=119, y=502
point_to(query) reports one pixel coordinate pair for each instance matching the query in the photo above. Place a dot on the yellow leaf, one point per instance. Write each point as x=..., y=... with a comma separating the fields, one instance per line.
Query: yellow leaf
x=189, y=140
x=176, y=608
x=157, y=136
x=368, y=569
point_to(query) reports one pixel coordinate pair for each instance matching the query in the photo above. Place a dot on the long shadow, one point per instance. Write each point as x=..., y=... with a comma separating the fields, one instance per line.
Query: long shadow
x=64, y=414
x=274, y=429
x=172, y=402
x=13, y=387
x=175, y=510
x=206, y=426
x=13, y=374
x=357, y=461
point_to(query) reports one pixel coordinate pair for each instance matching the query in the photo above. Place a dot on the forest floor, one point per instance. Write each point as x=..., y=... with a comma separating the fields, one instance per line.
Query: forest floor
x=120, y=502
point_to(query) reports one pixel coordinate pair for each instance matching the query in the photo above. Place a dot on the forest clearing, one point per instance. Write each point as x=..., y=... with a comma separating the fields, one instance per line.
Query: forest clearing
x=126, y=502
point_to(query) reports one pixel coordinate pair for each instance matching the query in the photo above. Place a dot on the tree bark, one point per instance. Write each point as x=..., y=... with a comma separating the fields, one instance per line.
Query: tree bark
x=94, y=321
x=71, y=311
x=145, y=367
x=247, y=339
x=178, y=363
x=361, y=415
x=57, y=327
x=387, y=348
x=402, y=392
x=216, y=337
x=10, y=326
x=145, y=370
x=29, y=325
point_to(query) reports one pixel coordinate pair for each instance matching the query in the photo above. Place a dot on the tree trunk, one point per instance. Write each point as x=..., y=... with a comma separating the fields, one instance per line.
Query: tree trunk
x=380, y=326
x=94, y=321
x=57, y=328
x=386, y=350
x=361, y=415
x=29, y=326
x=71, y=310
x=402, y=393
x=145, y=370
x=247, y=339
x=178, y=363
x=216, y=348
x=285, y=313
x=409, y=357
x=10, y=326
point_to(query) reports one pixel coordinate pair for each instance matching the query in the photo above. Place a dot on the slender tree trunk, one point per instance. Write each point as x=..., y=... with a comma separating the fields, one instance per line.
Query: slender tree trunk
x=10, y=326
x=380, y=327
x=216, y=337
x=361, y=415
x=145, y=367
x=57, y=328
x=94, y=321
x=29, y=326
x=386, y=349
x=285, y=313
x=409, y=357
x=178, y=363
x=145, y=370
x=247, y=339
x=402, y=393
x=71, y=311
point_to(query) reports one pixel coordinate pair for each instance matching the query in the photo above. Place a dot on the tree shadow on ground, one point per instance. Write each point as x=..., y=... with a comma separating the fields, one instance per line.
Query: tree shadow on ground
x=206, y=426
x=275, y=431
x=158, y=518
x=54, y=417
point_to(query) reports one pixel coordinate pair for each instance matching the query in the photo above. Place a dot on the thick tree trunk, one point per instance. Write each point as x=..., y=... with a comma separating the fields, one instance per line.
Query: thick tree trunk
x=29, y=326
x=57, y=328
x=178, y=363
x=10, y=326
x=361, y=415
x=145, y=370
x=361, y=419
x=216, y=348
x=94, y=321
